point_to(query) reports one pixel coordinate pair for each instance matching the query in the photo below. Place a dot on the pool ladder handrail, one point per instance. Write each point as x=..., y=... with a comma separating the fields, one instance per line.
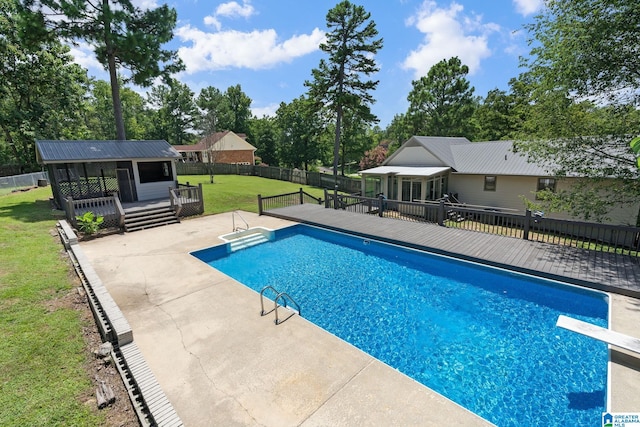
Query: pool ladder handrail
x=279, y=296
x=233, y=220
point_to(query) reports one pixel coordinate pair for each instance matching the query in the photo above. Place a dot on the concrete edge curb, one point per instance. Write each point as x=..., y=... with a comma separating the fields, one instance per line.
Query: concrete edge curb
x=150, y=402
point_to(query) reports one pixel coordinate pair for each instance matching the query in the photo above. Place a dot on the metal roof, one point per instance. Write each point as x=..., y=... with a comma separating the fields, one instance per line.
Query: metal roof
x=441, y=147
x=494, y=158
x=405, y=170
x=48, y=151
x=482, y=158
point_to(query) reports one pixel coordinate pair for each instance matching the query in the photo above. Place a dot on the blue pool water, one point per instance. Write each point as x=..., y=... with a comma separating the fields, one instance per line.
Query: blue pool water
x=483, y=337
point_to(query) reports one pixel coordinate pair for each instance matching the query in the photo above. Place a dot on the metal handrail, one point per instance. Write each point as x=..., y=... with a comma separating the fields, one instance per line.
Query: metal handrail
x=233, y=219
x=279, y=296
x=262, y=312
x=284, y=296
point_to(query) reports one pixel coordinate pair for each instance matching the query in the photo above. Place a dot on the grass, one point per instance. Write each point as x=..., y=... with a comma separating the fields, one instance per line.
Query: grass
x=234, y=192
x=42, y=349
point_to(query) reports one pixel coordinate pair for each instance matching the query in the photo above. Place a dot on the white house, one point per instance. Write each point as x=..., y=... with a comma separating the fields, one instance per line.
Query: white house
x=488, y=174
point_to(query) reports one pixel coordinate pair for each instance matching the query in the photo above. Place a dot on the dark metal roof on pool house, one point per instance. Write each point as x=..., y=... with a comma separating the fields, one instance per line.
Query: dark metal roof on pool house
x=65, y=151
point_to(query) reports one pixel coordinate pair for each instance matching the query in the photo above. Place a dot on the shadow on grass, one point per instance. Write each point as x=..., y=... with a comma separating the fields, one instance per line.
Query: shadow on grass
x=29, y=211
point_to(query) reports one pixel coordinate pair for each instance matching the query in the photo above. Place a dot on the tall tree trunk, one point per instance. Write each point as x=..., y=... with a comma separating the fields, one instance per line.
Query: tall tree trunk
x=113, y=73
x=115, y=95
x=336, y=144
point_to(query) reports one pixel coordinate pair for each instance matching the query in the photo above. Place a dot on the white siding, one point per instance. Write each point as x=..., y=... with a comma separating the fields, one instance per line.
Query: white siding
x=414, y=156
x=509, y=189
x=154, y=190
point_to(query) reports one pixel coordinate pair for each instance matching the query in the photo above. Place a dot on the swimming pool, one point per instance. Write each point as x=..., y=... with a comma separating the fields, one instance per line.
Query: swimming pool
x=483, y=337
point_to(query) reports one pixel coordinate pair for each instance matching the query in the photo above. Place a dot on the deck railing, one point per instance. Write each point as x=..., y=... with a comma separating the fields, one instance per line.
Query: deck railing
x=187, y=200
x=283, y=200
x=530, y=226
x=107, y=207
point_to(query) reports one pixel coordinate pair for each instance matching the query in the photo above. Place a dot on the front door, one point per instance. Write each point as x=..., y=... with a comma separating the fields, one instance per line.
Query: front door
x=126, y=183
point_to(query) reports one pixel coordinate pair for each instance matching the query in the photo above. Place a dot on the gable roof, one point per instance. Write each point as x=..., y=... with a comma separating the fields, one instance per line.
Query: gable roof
x=65, y=151
x=231, y=141
x=466, y=157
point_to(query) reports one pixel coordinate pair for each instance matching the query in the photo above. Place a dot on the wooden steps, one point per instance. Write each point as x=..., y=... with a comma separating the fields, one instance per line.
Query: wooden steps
x=148, y=218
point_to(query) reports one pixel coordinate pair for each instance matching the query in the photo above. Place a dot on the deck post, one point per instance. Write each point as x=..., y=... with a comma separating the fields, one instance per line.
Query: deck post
x=301, y=197
x=259, y=204
x=380, y=205
x=201, y=198
x=441, y=213
x=527, y=224
x=70, y=211
x=335, y=196
x=326, y=199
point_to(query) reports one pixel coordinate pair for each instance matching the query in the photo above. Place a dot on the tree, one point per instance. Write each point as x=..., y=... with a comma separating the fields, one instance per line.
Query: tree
x=338, y=83
x=373, y=157
x=176, y=112
x=214, y=111
x=300, y=128
x=265, y=136
x=584, y=76
x=398, y=130
x=100, y=120
x=495, y=118
x=121, y=34
x=41, y=90
x=442, y=103
x=239, y=105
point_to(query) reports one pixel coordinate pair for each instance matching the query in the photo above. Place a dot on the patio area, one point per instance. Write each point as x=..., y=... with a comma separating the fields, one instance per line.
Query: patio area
x=220, y=363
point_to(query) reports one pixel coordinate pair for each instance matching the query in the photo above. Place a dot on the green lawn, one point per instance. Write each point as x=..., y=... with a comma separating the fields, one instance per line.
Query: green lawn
x=42, y=351
x=234, y=192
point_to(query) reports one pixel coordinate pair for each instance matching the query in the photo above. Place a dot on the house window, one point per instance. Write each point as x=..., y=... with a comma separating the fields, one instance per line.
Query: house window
x=490, y=183
x=154, y=172
x=547, y=184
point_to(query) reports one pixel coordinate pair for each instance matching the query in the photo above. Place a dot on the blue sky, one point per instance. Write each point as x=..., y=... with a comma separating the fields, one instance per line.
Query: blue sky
x=269, y=47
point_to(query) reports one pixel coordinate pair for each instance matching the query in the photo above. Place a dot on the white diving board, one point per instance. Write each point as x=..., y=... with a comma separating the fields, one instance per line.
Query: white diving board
x=601, y=334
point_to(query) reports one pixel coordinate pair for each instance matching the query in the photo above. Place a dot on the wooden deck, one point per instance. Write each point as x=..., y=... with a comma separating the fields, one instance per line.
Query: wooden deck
x=598, y=270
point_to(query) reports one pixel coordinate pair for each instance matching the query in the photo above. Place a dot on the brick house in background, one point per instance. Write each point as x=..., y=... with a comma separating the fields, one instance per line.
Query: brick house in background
x=220, y=147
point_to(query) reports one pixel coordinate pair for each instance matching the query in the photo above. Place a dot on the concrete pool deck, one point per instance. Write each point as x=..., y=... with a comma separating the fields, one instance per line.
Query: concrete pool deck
x=220, y=363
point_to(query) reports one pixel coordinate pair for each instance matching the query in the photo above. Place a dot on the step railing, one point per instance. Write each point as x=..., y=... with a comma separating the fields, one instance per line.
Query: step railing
x=280, y=296
x=233, y=220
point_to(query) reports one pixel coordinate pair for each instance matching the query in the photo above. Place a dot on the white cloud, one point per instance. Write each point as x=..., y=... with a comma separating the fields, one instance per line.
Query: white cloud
x=448, y=33
x=233, y=9
x=145, y=4
x=212, y=21
x=83, y=55
x=256, y=50
x=269, y=110
x=527, y=7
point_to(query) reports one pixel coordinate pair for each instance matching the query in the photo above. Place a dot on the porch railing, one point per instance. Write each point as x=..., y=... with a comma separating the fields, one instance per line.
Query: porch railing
x=530, y=226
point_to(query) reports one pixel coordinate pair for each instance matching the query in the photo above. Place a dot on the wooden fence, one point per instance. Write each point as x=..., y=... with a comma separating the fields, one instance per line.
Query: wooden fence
x=315, y=179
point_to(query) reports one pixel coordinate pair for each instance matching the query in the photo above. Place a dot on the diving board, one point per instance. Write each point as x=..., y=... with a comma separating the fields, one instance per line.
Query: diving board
x=601, y=334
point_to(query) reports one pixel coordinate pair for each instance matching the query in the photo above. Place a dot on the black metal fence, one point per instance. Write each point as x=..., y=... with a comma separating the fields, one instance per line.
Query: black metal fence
x=587, y=235
x=284, y=200
x=315, y=179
